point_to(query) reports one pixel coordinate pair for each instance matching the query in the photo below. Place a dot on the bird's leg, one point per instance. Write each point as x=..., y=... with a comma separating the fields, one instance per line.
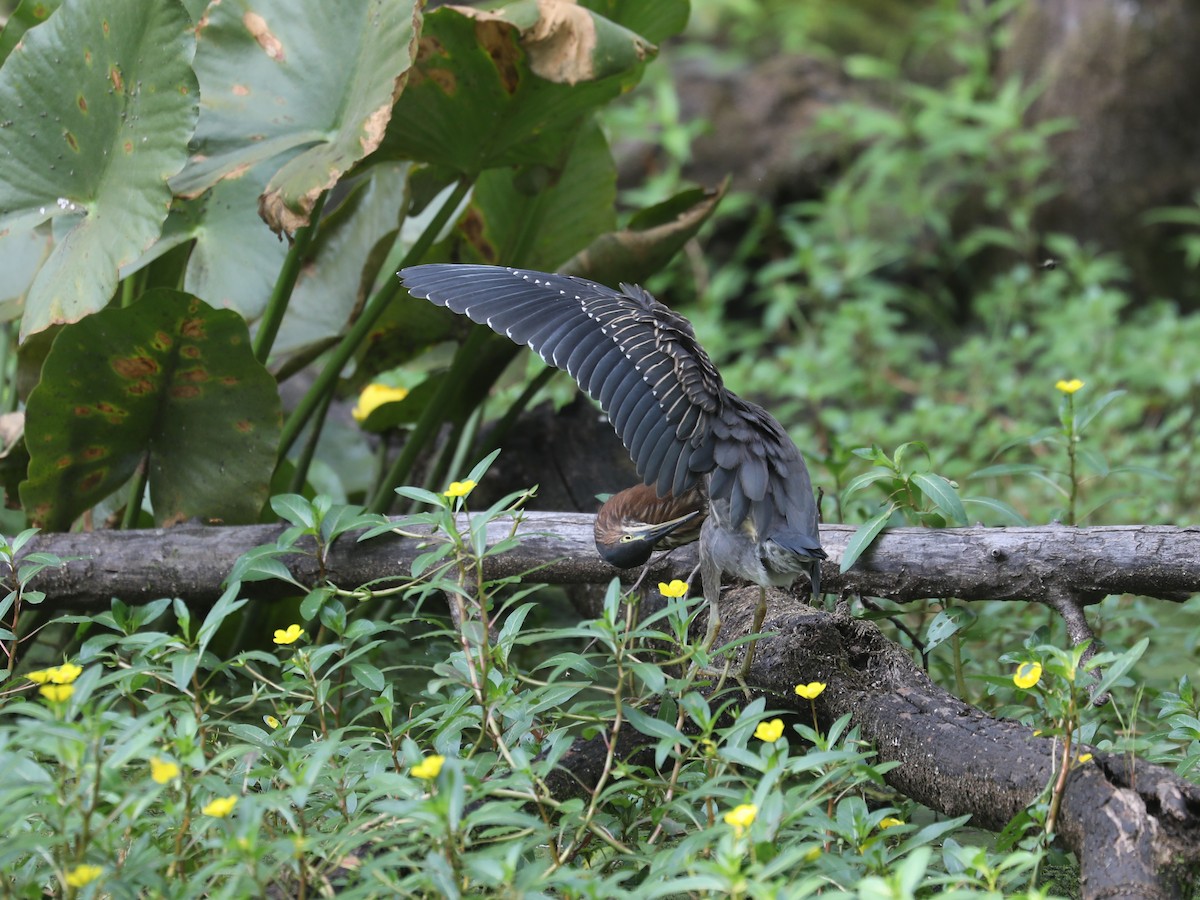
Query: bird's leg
x=760, y=613
x=710, y=577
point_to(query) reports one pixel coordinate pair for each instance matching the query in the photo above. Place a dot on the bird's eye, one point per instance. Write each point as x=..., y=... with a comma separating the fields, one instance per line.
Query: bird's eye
x=626, y=538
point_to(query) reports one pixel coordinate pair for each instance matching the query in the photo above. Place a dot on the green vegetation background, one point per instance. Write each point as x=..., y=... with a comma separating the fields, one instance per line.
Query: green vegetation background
x=196, y=755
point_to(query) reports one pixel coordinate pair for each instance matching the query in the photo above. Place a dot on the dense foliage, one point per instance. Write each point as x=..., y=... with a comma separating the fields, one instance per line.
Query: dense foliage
x=355, y=740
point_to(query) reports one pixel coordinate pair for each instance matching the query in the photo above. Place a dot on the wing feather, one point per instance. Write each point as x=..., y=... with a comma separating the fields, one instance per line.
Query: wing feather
x=636, y=357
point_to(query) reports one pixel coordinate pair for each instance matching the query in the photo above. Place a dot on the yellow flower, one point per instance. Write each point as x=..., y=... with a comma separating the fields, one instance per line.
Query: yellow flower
x=288, y=635
x=374, y=396
x=271, y=721
x=1027, y=675
x=56, y=693
x=220, y=807
x=769, y=731
x=1084, y=757
x=1069, y=387
x=82, y=875
x=459, y=488
x=676, y=588
x=64, y=674
x=429, y=767
x=890, y=822
x=162, y=770
x=741, y=817
x=810, y=691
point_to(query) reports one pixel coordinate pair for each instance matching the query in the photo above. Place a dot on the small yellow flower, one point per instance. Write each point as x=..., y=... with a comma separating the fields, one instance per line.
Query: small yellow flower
x=810, y=691
x=769, y=731
x=459, y=488
x=64, y=674
x=220, y=807
x=1069, y=387
x=56, y=693
x=429, y=767
x=741, y=817
x=676, y=588
x=1084, y=757
x=889, y=822
x=83, y=875
x=162, y=770
x=1027, y=675
x=271, y=721
x=288, y=635
x=373, y=396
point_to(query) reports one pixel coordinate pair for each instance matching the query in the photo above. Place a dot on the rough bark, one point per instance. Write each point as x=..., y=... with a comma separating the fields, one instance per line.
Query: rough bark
x=1082, y=564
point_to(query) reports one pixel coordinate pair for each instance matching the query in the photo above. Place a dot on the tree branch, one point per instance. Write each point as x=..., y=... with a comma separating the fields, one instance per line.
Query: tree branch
x=1085, y=564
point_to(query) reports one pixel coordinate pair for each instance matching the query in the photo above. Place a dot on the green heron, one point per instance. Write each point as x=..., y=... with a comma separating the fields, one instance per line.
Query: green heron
x=634, y=523
x=642, y=363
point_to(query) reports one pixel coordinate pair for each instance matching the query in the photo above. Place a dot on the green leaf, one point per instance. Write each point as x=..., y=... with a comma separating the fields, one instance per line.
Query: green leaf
x=27, y=14
x=509, y=87
x=946, y=624
x=1008, y=515
x=21, y=256
x=311, y=605
x=653, y=237
x=339, y=277
x=1084, y=417
x=1120, y=666
x=296, y=510
x=866, y=479
x=281, y=74
x=863, y=536
x=944, y=496
x=655, y=21
x=652, y=727
x=538, y=218
x=368, y=676
x=168, y=381
x=100, y=102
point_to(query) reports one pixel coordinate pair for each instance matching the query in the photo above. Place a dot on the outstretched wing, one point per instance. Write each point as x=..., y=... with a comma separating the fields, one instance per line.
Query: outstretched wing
x=634, y=356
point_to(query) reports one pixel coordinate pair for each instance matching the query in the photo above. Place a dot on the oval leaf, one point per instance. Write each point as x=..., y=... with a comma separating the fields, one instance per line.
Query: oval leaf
x=944, y=497
x=167, y=380
x=863, y=537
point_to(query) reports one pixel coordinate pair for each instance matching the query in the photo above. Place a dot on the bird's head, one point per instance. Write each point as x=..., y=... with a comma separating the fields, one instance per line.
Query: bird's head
x=627, y=543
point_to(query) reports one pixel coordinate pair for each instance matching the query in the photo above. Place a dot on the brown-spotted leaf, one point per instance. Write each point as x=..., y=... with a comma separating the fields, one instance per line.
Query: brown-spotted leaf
x=320, y=76
x=168, y=381
x=510, y=87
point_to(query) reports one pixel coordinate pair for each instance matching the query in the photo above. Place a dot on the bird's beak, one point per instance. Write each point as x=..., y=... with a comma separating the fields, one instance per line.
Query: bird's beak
x=655, y=533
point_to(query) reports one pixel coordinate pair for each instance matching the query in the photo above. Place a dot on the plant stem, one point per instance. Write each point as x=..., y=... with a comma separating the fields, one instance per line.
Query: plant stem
x=1072, y=439
x=375, y=307
x=281, y=294
x=300, y=475
x=431, y=417
x=137, y=489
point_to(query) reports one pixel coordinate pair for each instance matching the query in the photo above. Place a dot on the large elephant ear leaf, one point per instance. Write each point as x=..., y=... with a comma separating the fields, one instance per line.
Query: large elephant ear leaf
x=321, y=76
x=98, y=103
x=168, y=381
x=510, y=86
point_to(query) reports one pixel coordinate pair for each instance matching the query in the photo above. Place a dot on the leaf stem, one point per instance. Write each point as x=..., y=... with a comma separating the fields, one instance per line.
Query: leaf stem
x=281, y=294
x=375, y=307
